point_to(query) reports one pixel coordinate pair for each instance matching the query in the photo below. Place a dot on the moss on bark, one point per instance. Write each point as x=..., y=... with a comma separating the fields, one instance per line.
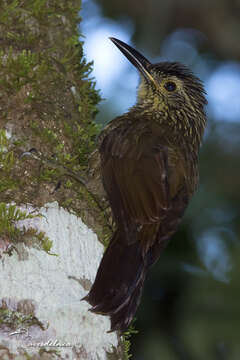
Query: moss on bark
x=48, y=103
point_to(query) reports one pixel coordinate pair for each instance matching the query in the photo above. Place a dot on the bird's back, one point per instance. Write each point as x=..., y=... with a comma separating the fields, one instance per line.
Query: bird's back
x=148, y=179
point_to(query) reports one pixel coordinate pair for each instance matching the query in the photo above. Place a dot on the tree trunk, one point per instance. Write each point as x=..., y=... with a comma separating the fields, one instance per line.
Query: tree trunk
x=49, y=251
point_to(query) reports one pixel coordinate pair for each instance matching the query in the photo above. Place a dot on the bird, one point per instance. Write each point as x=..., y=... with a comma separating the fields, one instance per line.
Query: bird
x=149, y=171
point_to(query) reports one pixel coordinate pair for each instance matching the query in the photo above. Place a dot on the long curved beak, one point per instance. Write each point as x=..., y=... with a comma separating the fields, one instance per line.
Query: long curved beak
x=137, y=59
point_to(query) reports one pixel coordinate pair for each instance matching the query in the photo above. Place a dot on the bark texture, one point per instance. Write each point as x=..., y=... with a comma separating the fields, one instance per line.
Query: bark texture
x=49, y=251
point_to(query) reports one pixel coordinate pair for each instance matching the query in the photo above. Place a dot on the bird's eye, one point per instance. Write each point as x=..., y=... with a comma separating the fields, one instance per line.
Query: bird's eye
x=170, y=86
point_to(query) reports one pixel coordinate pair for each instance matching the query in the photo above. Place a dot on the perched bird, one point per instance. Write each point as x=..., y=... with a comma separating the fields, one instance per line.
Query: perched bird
x=149, y=169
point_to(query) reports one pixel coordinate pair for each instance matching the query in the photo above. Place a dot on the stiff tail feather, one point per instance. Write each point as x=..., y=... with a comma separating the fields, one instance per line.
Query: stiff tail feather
x=118, y=286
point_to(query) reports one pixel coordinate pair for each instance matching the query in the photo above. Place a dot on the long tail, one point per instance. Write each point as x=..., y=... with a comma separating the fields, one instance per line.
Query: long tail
x=119, y=282
x=118, y=285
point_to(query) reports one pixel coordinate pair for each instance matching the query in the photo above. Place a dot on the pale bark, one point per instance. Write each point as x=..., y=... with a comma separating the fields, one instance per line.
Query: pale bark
x=51, y=286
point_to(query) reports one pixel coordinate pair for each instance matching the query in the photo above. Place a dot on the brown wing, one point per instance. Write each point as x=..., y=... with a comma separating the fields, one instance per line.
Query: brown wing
x=141, y=176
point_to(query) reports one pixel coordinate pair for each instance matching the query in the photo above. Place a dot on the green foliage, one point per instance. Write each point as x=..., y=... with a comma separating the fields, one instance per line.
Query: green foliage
x=19, y=69
x=6, y=157
x=9, y=216
x=45, y=242
x=43, y=77
x=6, y=163
x=45, y=80
x=126, y=341
x=15, y=319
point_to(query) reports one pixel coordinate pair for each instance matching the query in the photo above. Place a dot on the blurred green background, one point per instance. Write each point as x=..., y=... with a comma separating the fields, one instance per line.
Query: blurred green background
x=191, y=303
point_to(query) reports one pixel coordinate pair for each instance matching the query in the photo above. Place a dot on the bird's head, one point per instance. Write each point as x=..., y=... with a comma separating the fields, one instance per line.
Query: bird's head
x=168, y=88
